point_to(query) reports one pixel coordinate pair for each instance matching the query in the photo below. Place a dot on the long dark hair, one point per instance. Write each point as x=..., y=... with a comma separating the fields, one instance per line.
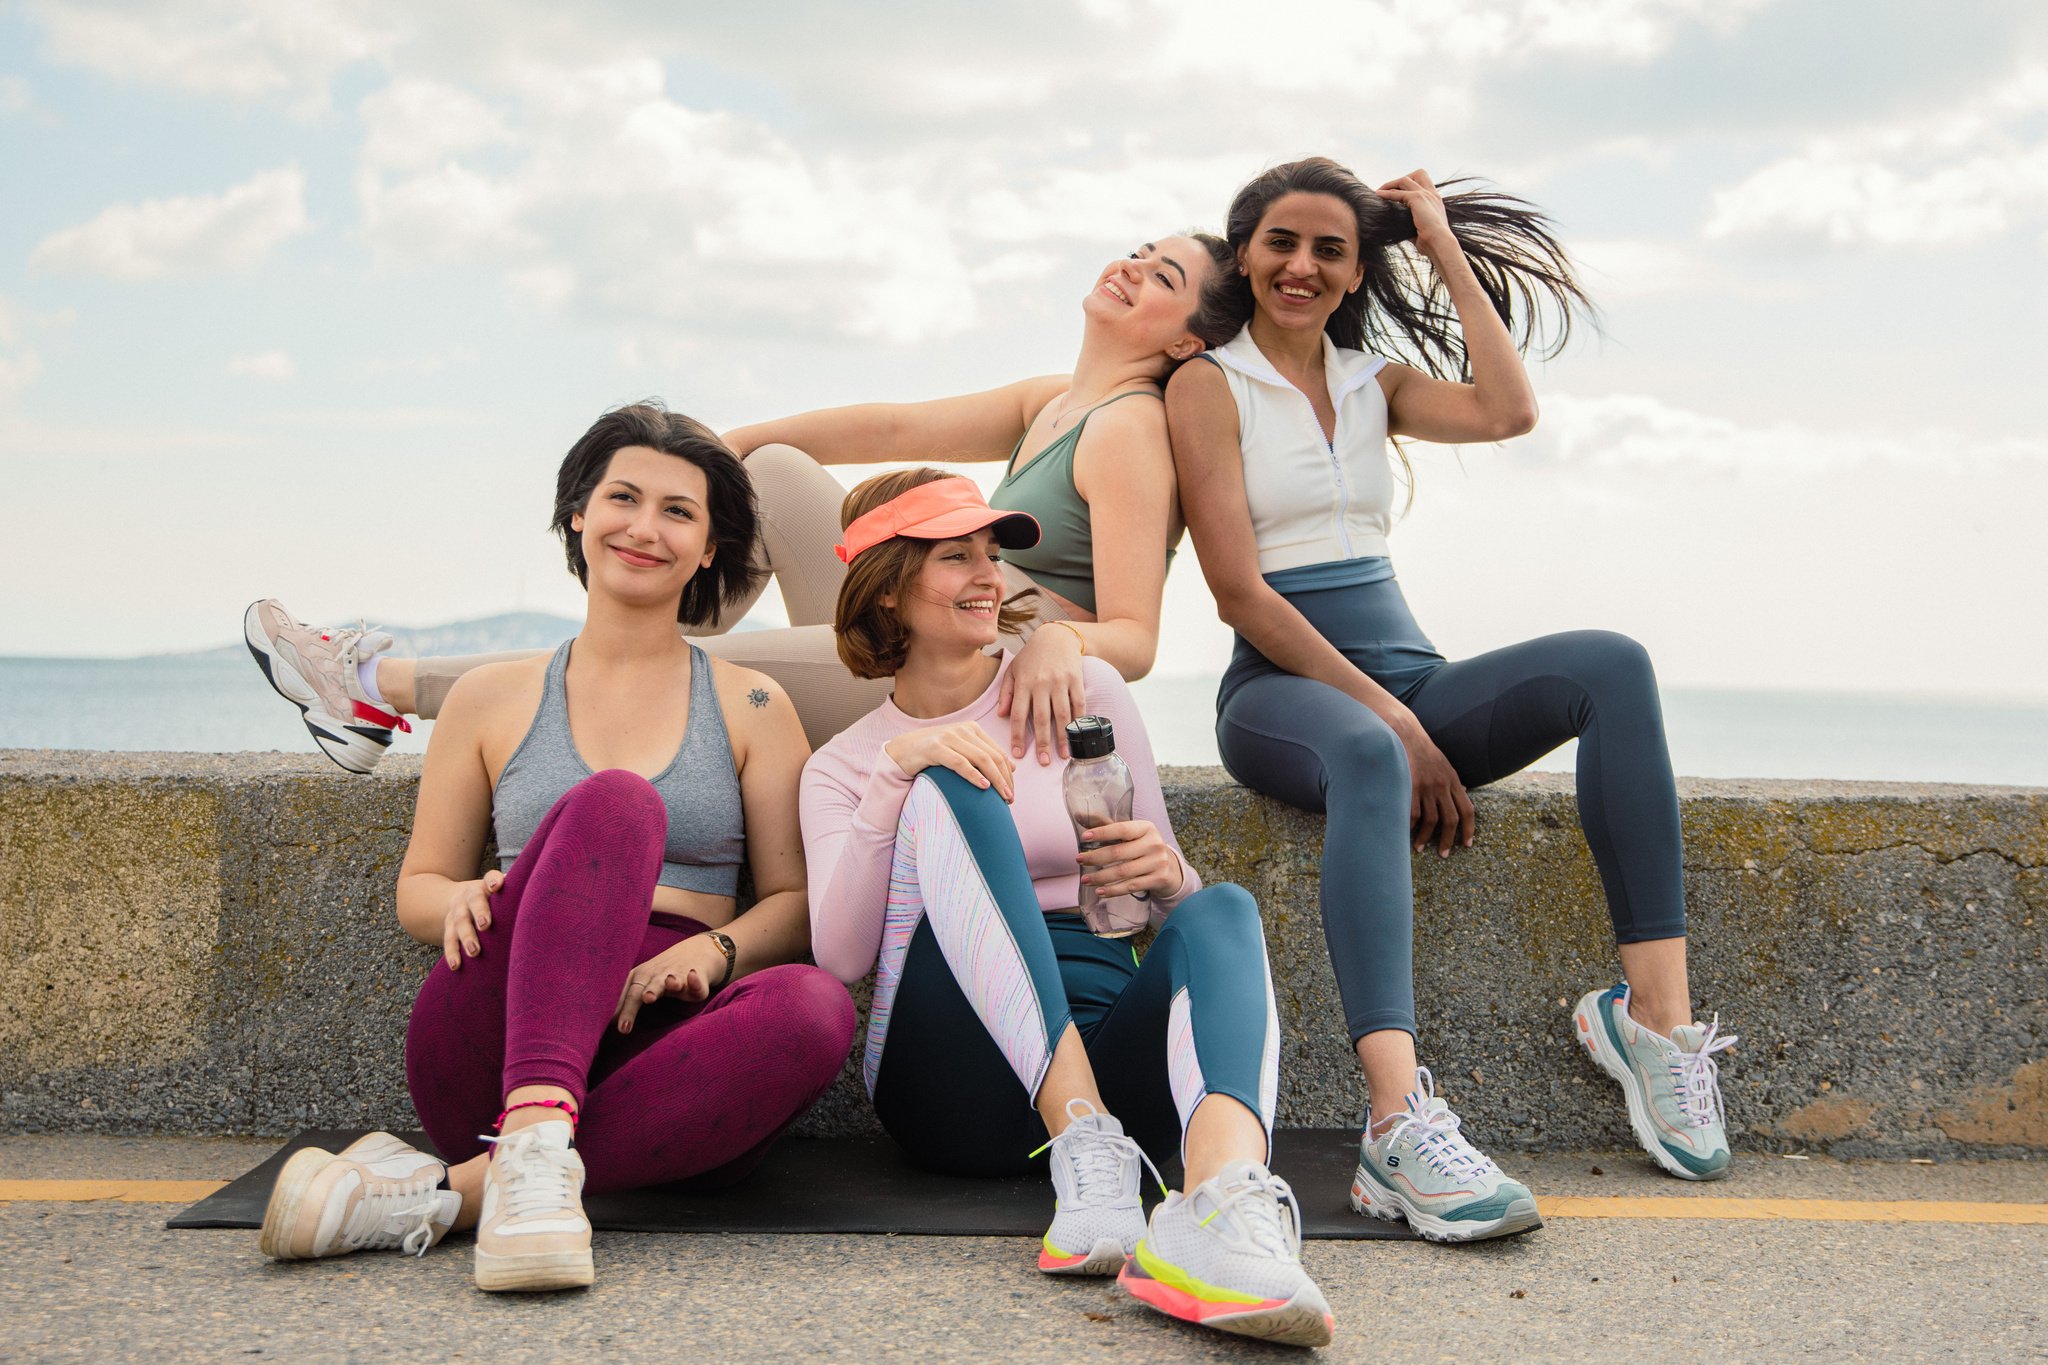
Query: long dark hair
x=1402, y=310
x=729, y=494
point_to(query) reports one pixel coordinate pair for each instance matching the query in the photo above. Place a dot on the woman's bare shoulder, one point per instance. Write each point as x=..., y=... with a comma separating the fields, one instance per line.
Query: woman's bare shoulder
x=486, y=696
x=752, y=701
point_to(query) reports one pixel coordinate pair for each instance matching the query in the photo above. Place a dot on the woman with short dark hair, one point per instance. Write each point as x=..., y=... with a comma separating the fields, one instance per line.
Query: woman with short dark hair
x=599, y=1007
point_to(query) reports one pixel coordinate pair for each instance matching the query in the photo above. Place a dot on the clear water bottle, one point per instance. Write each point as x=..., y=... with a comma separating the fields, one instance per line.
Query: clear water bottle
x=1098, y=789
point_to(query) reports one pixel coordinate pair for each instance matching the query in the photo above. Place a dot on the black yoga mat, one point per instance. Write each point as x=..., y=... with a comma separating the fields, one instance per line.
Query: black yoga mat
x=857, y=1185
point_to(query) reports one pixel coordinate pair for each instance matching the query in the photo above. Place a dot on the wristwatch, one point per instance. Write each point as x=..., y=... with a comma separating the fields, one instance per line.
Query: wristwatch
x=729, y=948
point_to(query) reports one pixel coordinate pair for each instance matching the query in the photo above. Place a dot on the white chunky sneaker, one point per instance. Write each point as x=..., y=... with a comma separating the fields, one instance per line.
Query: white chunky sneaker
x=376, y=1194
x=1673, y=1085
x=1422, y=1170
x=532, y=1233
x=314, y=668
x=1228, y=1255
x=1097, y=1214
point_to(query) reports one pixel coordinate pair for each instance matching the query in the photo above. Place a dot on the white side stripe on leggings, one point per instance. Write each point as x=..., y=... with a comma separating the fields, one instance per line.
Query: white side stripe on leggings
x=934, y=876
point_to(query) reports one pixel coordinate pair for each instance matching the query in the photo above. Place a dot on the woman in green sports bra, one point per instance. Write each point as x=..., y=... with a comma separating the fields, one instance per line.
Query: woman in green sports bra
x=1092, y=467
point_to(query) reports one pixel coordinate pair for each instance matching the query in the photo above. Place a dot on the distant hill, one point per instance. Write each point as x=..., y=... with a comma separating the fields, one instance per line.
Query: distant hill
x=484, y=635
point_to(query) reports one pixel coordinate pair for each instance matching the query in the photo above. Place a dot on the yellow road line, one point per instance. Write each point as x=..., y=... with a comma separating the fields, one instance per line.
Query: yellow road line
x=1553, y=1206
x=1791, y=1210
x=121, y=1191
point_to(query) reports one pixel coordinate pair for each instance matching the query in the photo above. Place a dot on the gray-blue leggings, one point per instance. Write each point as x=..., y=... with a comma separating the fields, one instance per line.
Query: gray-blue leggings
x=1312, y=746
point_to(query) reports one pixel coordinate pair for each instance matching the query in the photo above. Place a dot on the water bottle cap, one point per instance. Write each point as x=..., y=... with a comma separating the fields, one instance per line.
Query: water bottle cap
x=1090, y=737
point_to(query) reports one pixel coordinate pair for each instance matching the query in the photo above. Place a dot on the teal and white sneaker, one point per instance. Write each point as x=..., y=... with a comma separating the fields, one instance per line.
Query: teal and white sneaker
x=1227, y=1255
x=1097, y=1215
x=1424, y=1171
x=1673, y=1084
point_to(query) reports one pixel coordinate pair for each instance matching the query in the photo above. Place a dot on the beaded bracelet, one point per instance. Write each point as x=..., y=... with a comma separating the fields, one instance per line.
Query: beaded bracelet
x=562, y=1105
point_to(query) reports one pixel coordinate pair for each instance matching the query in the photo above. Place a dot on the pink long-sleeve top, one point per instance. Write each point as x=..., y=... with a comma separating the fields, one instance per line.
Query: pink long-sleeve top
x=853, y=795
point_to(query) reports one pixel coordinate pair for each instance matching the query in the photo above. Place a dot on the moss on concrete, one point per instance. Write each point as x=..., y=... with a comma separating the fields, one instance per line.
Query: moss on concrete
x=205, y=943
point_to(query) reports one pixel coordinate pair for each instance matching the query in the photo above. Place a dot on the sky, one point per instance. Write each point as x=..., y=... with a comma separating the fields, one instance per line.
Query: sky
x=307, y=299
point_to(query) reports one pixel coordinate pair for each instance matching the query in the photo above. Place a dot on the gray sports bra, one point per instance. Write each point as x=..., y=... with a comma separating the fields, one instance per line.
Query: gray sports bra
x=700, y=787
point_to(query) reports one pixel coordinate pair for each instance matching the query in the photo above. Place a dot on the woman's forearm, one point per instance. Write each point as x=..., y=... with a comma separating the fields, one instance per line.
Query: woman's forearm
x=1500, y=381
x=1129, y=646
x=1280, y=632
x=423, y=904
x=774, y=930
x=861, y=433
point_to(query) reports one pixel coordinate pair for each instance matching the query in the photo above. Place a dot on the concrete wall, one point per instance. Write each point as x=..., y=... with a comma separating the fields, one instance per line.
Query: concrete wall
x=205, y=944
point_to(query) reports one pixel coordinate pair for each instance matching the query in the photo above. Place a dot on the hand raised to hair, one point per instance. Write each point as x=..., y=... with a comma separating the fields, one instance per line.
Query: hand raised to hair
x=1417, y=193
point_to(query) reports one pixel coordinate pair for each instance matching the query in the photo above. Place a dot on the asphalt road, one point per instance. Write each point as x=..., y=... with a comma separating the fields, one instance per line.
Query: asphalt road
x=107, y=1281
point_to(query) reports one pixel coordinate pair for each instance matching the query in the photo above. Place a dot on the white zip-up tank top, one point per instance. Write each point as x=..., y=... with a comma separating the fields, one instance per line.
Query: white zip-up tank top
x=1312, y=501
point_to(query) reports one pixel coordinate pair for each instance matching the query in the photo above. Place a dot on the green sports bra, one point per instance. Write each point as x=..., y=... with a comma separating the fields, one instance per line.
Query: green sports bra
x=1064, y=557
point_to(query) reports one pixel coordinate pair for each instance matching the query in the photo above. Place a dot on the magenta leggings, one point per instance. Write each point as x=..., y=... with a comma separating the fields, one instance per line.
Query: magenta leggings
x=693, y=1090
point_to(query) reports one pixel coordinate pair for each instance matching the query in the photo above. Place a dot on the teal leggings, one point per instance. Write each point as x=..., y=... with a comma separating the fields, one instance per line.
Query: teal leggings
x=977, y=984
x=1314, y=747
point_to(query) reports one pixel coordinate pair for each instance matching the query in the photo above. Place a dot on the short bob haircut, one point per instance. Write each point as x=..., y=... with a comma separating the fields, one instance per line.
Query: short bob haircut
x=731, y=575
x=872, y=640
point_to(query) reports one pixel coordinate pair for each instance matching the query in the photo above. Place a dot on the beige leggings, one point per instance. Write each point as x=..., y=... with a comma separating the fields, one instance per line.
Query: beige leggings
x=799, y=501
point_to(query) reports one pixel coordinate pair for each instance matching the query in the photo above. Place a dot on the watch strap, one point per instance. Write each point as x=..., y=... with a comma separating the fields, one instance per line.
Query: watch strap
x=731, y=951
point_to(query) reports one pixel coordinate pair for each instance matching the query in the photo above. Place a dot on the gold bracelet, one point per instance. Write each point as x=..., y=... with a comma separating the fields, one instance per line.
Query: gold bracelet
x=1076, y=632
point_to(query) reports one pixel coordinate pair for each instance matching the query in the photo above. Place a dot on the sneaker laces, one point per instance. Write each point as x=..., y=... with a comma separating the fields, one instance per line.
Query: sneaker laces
x=1434, y=1133
x=531, y=1178
x=1696, y=1077
x=353, y=645
x=1099, y=1158
x=1266, y=1212
x=384, y=1218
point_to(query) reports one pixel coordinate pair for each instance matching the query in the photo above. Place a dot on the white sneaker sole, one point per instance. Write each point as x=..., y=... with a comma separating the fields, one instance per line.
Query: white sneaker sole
x=1295, y=1323
x=1302, y=1320
x=287, y=1202
x=1106, y=1257
x=1371, y=1200
x=533, y=1271
x=1592, y=1034
x=351, y=746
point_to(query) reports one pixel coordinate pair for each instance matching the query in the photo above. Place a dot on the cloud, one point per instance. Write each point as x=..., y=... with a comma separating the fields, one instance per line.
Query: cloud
x=15, y=96
x=21, y=364
x=19, y=368
x=1952, y=177
x=1634, y=433
x=618, y=199
x=1430, y=51
x=273, y=366
x=189, y=234
x=217, y=48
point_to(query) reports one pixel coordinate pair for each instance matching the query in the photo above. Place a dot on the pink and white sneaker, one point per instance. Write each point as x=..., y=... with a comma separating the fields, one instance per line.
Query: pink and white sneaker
x=314, y=668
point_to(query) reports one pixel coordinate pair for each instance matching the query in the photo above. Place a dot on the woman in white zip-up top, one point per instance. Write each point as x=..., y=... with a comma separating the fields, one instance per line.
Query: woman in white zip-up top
x=1336, y=701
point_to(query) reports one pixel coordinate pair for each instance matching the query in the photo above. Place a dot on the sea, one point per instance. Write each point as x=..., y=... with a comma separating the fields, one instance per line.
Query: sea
x=218, y=702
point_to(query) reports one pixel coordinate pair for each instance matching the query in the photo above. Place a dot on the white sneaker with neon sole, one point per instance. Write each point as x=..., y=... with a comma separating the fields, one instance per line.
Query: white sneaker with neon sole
x=1097, y=1213
x=1227, y=1255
